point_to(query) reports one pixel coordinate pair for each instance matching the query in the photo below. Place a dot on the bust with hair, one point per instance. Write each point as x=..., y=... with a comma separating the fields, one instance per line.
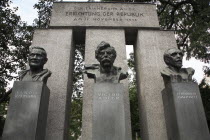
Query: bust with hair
x=36, y=59
x=174, y=72
x=105, y=71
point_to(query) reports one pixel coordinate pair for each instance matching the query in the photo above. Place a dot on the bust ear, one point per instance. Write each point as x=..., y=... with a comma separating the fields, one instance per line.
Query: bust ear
x=46, y=59
x=167, y=60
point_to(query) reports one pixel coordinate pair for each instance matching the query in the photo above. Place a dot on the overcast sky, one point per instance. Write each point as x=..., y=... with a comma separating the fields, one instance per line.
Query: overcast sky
x=28, y=14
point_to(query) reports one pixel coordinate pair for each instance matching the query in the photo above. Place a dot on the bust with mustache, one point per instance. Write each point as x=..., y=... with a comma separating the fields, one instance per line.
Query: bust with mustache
x=105, y=71
x=174, y=72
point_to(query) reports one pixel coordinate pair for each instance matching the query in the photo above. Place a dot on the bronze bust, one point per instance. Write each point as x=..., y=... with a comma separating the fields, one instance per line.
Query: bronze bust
x=105, y=71
x=174, y=72
x=37, y=58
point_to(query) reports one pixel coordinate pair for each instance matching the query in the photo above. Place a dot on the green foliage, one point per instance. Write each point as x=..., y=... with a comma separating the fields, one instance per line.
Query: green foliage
x=15, y=39
x=191, y=21
x=3, y=111
x=205, y=95
x=76, y=103
x=134, y=109
x=76, y=118
x=44, y=8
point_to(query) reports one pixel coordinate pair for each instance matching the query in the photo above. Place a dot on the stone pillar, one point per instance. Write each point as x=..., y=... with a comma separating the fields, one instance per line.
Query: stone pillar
x=27, y=113
x=149, y=49
x=59, y=46
x=184, y=112
x=116, y=38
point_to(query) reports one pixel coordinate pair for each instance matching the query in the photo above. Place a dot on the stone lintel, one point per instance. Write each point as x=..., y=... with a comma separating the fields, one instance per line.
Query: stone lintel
x=104, y=15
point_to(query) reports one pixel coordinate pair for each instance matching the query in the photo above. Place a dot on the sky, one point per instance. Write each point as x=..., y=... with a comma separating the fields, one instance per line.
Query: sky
x=28, y=14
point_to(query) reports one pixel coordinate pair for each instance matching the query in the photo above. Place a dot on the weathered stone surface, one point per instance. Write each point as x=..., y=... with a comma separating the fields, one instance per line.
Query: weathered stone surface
x=149, y=51
x=184, y=113
x=116, y=37
x=104, y=15
x=27, y=114
x=59, y=46
x=108, y=112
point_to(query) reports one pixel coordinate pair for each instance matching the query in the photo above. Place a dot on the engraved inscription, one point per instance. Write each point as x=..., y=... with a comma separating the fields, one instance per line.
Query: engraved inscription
x=108, y=96
x=102, y=13
x=186, y=95
x=25, y=94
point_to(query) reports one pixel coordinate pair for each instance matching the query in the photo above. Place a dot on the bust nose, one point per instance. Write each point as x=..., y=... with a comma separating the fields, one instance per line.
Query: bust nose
x=179, y=55
x=105, y=54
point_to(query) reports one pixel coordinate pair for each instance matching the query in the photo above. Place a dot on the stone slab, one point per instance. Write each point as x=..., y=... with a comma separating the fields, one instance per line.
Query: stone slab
x=27, y=113
x=108, y=112
x=59, y=46
x=149, y=50
x=116, y=38
x=104, y=15
x=184, y=112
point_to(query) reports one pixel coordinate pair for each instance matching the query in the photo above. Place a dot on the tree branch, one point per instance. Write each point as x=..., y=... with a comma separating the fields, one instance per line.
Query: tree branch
x=5, y=96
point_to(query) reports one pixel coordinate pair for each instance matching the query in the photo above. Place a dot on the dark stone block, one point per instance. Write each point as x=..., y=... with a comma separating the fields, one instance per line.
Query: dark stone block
x=184, y=112
x=27, y=113
x=108, y=112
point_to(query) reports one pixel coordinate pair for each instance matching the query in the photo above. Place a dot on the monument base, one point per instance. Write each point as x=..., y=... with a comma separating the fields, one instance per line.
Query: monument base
x=184, y=112
x=108, y=112
x=27, y=113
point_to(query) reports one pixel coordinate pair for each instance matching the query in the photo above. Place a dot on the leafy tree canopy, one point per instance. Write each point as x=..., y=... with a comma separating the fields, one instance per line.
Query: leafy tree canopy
x=190, y=19
x=15, y=39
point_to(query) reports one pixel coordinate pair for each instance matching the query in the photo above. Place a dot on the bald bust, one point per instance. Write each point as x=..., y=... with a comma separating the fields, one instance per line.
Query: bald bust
x=174, y=72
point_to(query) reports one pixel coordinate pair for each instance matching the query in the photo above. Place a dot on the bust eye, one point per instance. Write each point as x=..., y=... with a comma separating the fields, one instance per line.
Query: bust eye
x=173, y=54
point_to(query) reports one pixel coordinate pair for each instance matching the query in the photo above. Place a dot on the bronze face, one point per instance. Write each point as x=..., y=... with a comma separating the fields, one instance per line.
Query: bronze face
x=174, y=58
x=37, y=58
x=106, y=57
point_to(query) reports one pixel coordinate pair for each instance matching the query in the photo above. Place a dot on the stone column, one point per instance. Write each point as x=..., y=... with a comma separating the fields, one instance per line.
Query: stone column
x=149, y=49
x=116, y=38
x=59, y=46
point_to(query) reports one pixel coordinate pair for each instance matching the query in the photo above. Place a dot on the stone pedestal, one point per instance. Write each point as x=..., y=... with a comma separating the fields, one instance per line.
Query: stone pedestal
x=108, y=112
x=149, y=50
x=184, y=113
x=116, y=38
x=27, y=113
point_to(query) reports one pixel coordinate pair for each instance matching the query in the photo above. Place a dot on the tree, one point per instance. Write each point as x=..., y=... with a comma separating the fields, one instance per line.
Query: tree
x=76, y=103
x=205, y=95
x=15, y=39
x=44, y=13
x=189, y=19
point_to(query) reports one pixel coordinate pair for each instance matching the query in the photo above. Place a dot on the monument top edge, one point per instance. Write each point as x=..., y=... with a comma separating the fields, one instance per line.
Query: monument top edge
x=106, y=2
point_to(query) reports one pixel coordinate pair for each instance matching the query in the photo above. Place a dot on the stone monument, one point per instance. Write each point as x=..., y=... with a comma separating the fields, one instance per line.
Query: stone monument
x=27, y=113
x=120, y=24
x=184, y=113
x=108, y=97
